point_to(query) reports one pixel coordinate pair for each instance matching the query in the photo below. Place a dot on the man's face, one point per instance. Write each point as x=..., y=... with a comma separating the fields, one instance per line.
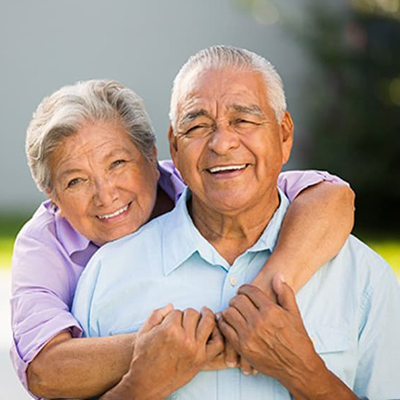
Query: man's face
x=229, y=146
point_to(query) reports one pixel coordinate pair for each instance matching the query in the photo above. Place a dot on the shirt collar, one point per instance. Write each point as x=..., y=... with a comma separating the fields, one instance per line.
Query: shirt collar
x=269, y=237
x=181, y=239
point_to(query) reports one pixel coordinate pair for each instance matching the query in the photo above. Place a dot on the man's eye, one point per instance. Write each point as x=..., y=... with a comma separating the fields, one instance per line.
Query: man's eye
x=116, y=163
x=198, y=129
x=74, y=182
x=243, y=122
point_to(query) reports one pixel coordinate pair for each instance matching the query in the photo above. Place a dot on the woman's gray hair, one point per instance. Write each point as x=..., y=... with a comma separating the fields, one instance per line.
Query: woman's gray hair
x=64, y=112
x=217, y=57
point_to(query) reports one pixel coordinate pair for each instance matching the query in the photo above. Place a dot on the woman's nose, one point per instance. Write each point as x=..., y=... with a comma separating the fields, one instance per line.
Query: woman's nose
x=105, y=192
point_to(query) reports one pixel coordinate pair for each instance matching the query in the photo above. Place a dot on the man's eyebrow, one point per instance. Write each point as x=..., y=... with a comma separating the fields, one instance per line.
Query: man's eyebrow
x=191, y=115
x=254, y=110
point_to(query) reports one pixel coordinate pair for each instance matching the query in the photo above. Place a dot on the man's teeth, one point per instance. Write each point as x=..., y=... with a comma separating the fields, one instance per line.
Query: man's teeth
x=114, y=214
x=227, y=168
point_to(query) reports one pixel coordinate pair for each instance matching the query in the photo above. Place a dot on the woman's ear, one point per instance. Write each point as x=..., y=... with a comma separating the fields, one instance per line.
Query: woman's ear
x=53, y=198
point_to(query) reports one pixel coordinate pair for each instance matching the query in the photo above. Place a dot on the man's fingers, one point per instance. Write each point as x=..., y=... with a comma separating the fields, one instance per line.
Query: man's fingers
x=174, y=318
x=245, y=366
x=205, y=325
x=215, y=345
x=234, y=318
x=156, y=317
x=229, y=333
x=244, y=305
x=190, y=320
x=285, y=294
x=256, y=295
x=231, y=356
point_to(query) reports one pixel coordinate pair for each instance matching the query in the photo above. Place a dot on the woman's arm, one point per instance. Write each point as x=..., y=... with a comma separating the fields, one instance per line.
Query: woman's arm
x=317, y=224
x=80, y=368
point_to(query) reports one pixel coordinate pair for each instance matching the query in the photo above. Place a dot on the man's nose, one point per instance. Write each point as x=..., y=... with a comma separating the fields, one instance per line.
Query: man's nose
x=105, y=192
x=223, y=139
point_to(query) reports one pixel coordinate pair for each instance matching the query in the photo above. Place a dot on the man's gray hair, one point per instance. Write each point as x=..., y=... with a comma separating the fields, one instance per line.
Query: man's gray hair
x=67, y=110
x=218, y=57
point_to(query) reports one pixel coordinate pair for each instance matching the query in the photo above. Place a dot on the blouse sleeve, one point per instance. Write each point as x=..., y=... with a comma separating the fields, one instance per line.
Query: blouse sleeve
x=42, y=289
x=293, y=182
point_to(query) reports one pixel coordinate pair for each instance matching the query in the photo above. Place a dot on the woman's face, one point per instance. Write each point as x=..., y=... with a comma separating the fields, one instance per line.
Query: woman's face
x=102, y=183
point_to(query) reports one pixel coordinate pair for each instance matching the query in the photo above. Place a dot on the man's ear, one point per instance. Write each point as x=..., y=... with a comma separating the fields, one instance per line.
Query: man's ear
x=173, y=146
x=287, y=130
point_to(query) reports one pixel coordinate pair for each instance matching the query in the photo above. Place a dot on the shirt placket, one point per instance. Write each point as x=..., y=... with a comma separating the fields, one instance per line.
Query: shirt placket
x=229, y=380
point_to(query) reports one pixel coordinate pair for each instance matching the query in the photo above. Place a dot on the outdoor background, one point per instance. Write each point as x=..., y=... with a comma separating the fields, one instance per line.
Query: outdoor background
x=339, y=59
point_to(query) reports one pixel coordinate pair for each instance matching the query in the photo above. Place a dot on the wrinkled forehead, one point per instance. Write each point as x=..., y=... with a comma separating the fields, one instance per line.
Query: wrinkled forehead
x=221, y=90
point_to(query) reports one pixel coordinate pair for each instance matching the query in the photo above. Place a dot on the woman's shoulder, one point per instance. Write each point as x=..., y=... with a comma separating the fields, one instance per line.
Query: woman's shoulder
x=42, y=222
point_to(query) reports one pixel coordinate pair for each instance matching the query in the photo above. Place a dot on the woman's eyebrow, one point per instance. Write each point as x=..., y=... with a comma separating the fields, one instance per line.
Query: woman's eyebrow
x=70, y=171
x=116, y=152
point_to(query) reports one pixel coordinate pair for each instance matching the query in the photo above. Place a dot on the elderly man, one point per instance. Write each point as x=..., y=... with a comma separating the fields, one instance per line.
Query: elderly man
x=229, y=138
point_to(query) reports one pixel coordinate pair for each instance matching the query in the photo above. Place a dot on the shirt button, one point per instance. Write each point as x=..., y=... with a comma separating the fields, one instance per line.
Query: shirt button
x=233, y=281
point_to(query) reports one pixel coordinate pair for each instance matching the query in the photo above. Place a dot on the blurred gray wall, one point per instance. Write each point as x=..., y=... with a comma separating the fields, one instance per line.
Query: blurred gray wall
x=45, y=44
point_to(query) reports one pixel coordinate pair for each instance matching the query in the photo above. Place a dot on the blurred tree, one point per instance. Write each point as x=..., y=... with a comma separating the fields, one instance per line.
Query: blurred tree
x=353, y=95
x=354, y=102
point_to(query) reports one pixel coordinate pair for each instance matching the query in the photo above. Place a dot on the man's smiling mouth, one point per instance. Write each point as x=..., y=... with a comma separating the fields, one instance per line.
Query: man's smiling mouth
x=226, y=168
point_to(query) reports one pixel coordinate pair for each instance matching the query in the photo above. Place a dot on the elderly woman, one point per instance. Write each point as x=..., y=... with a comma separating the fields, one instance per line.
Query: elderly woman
x=91, y=149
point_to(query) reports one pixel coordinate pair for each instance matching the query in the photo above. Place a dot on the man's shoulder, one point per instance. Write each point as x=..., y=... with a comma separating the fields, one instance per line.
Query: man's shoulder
x=134, y=244
x=363, y=256
x=360, y=265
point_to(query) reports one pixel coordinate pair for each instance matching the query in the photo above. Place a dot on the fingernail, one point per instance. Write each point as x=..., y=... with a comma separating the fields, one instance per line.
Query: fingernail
x=230, y=364
x=247, y=373
x=282, y=278
x=218, y=316
x=255, y=372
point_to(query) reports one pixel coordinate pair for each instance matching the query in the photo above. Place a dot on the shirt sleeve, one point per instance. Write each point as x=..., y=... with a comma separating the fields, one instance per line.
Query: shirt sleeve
x=293, y=182
x=377, y=376
x=42, y=289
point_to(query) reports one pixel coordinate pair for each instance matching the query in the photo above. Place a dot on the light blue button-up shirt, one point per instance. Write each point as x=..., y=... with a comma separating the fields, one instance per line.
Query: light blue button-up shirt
x=351, y=306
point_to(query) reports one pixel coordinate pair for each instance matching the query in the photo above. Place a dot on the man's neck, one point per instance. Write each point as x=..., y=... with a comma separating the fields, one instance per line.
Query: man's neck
x=233, y=233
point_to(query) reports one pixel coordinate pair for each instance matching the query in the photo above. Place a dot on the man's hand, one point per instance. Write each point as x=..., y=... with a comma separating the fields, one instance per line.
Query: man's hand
x=271, y=337
x=228, y=357
x=171, y=348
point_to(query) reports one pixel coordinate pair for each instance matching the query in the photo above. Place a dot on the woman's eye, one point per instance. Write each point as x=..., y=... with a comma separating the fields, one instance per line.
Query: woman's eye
x=116, y=163
x=73, y=182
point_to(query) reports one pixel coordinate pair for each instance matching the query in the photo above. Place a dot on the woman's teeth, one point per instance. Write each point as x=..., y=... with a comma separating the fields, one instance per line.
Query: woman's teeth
x=114, y=214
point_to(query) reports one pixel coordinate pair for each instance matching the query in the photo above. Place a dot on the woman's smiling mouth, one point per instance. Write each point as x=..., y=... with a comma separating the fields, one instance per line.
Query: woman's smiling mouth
x=114, y=214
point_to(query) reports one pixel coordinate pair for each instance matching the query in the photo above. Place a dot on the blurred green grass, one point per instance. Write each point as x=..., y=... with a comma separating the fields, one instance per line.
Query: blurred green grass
x=387, y=245
x=10, y=224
